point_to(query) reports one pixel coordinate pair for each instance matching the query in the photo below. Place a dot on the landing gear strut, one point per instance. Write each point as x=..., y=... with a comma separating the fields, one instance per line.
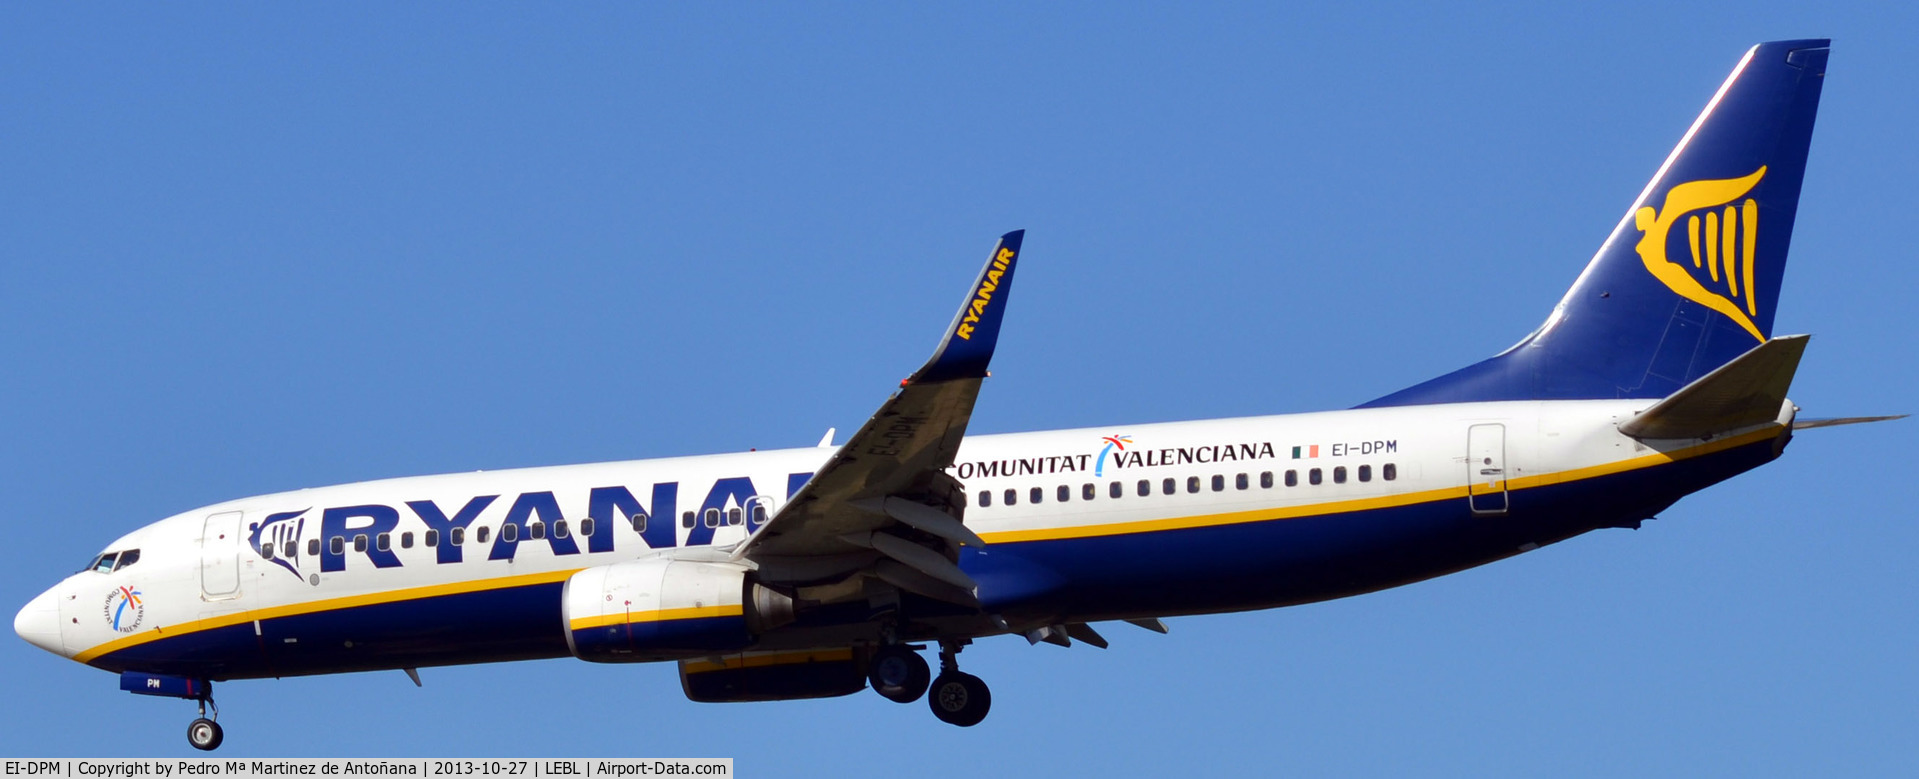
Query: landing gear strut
x=898, y=673
x=203, y=733
x=958, y=698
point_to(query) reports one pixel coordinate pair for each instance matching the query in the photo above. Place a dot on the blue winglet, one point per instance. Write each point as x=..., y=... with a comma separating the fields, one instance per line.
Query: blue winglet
x=968, y=346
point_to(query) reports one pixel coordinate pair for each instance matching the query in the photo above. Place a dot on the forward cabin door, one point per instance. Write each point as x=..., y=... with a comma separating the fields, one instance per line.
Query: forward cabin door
x=1486, y=469
x=220, y=556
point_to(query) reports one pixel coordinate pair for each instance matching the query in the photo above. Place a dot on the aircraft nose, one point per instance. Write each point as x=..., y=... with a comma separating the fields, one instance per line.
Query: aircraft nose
x=39, y=623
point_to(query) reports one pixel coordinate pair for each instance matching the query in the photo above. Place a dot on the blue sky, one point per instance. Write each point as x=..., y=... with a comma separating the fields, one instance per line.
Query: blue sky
x=251, y=248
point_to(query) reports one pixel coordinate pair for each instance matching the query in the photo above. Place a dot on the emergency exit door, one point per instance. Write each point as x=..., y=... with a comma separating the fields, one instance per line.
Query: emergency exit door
x=1486, y=468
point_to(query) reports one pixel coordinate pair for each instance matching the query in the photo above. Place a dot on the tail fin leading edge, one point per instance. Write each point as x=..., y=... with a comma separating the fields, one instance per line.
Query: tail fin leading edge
x=1690, y=277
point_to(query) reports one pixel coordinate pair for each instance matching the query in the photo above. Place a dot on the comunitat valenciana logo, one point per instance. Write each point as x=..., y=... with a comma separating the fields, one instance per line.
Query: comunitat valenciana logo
x=1119, y=442
x=1722, y=235
x=124, y=610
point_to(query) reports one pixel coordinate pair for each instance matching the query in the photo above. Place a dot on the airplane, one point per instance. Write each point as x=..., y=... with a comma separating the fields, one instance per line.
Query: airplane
x=821, y=571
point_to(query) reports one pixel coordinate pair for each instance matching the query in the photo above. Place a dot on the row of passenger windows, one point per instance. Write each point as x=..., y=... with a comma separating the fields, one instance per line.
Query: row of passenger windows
x=510, y=533
x=713, y=517
x=456, y=537
x=1169, y=486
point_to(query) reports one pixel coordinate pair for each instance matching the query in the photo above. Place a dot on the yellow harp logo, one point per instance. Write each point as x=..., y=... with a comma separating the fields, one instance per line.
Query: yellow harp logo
x=1722, y=244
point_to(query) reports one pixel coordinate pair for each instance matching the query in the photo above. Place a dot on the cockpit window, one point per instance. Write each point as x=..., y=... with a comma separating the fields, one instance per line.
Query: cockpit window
x=113, y=561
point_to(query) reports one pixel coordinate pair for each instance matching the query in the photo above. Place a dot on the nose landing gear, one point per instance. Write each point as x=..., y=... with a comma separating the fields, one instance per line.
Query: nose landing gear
x=203, y=733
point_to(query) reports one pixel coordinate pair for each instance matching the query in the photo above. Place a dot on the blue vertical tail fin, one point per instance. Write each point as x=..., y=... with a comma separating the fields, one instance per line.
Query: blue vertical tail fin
x=1689, y=279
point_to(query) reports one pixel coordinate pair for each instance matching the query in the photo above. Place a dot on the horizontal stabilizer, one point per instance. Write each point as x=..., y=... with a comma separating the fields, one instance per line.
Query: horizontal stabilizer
x=1808, y=424
x=1742, y=393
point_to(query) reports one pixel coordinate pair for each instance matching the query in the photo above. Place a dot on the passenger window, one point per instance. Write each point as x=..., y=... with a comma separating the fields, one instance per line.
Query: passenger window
x=359, y=543
x=1241, y=482
x=1219, y=482
x=479, y=536
x=1266, y=480
x=686, y=519
x=1169, y=486
x=1065, y=493
x=586, y=527
x=1365, y=473
x=1011, y=498
x=759, y=513
x=1339, y=474
x=559, y=528
x=1036, y=494
x=1088, y=492
x=637, y=520
x=1192, y=484
x=536, y=530
x=1116, y=490
x=432, y=538
x=510, y=533
x=313, y=547
x=1313, y=476
x=734, y=516
x=1145, y=488
x=458, y=536
x=1292, y=478
x=337, y=545
x=1389, y=471
x=104, y=563
x=266, y=551
x=985, y=498
x=406, y=540
x=712, y=517
x=383, y=541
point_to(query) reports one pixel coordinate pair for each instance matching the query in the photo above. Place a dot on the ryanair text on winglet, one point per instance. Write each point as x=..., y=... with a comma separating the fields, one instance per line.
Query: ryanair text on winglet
x=984, y=294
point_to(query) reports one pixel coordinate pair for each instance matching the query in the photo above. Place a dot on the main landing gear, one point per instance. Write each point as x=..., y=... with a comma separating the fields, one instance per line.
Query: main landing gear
x=900, y=675
x=203, y=733
x=958, y=698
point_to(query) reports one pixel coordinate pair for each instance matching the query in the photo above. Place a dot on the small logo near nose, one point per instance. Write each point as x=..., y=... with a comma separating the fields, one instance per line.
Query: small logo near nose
x=125, y=609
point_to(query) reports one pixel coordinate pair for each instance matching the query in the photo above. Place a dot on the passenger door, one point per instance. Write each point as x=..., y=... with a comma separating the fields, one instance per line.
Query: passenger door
x=220, y=556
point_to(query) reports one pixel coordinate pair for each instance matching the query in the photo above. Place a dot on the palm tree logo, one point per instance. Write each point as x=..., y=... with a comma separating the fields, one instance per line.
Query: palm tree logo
x=125, y=610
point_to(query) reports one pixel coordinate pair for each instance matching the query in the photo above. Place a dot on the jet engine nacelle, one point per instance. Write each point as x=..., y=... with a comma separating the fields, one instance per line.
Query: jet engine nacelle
x=659, y=608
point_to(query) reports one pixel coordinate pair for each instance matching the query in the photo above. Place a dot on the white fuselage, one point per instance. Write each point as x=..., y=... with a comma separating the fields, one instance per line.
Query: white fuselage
x=356, y=548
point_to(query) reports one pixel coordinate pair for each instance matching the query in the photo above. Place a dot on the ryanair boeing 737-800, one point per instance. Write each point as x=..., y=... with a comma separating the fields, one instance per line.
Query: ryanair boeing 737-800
x=820, y=571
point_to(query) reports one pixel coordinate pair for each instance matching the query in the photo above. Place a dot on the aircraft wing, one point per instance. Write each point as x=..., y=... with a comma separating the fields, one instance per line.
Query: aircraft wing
x=884, y=503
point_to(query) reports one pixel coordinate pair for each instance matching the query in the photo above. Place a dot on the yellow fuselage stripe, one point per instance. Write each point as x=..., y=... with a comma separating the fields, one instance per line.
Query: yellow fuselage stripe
x=330, y=604
x=662, y=615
